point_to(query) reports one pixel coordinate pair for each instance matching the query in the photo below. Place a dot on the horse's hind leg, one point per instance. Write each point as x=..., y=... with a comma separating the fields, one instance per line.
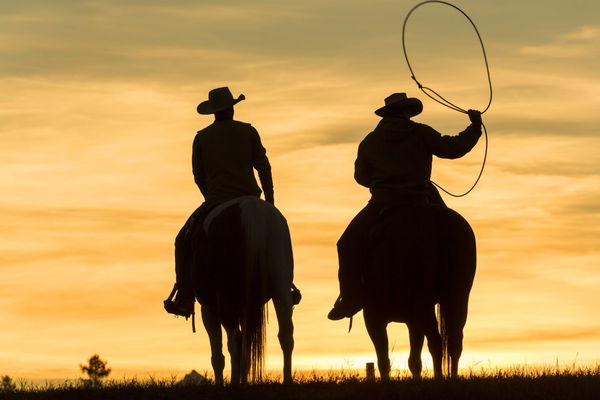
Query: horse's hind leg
x=283, y=308
x=215, y=336
x=234, y=345
x=456, y=317
x=377, y=330
x=434, y=342
x=416, y=337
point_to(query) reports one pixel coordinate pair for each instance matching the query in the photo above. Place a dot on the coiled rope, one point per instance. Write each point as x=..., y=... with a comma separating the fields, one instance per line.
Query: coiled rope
x=432, y=94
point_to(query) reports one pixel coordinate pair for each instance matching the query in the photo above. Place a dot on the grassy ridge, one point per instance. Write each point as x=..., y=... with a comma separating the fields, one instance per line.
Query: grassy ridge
x=580, y=384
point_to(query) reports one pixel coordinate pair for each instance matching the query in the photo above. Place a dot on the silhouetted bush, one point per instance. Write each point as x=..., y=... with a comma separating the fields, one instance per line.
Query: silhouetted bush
x=96, y=370
x=7, y=384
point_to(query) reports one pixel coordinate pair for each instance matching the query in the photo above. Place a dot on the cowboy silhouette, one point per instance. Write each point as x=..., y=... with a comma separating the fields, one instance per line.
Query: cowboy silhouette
x=394, y=162
x=224, y=157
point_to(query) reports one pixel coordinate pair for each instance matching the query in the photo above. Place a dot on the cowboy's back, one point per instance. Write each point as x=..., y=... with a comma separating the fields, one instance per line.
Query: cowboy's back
x=224, y=155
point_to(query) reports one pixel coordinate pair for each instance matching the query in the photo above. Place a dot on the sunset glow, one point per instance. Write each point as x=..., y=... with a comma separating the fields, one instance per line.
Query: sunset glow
x=97, y=118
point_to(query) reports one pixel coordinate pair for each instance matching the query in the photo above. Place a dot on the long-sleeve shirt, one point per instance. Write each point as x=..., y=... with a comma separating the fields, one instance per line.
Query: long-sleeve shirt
x=223, y=158
x=395, y=159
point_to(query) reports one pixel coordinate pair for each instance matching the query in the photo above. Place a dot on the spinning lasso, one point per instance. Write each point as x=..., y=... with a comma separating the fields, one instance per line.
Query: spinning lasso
x=432, y=94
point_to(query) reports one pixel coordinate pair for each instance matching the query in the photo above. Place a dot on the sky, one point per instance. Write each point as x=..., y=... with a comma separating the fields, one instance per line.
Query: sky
x=97, y=118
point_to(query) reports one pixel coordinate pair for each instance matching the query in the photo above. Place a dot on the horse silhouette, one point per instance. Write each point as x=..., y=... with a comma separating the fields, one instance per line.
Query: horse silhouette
x=248, y=262
x=419, y=257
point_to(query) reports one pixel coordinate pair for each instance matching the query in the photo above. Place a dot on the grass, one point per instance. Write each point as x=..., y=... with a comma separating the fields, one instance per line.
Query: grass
x=515, y=383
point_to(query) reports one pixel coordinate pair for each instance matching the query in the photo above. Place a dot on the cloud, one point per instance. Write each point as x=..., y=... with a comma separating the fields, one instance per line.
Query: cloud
x=82, y=239
x=539, y=337
x=588, y=168
x=585, y=33
x=116, y=39
x=582, y=43
x=567, y=155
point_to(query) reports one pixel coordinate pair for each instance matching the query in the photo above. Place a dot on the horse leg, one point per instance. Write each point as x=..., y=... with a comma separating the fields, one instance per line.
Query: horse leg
x=434, y=342
x=215, y=336
x=283, y=308
x=234, y=345
x=456, y=318
x=282, y=301
x=377, y=330
x=416, y=337
x=281, y=276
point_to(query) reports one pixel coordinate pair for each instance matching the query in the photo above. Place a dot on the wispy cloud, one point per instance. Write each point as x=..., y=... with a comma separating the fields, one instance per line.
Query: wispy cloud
x=580, y=44
x=558, y=334
x=585, y=33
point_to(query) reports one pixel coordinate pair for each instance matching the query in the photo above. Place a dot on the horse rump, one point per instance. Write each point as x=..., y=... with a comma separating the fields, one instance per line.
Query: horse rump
x=400, y=275
x=235, y=270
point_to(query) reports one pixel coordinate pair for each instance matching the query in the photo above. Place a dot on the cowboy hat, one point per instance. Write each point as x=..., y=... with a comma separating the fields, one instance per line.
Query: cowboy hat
x=398, y=101
x=219, y=99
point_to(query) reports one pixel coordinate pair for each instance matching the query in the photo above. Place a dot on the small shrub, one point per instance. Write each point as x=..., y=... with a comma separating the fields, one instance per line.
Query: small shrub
x=96, y=371
x=7, y=384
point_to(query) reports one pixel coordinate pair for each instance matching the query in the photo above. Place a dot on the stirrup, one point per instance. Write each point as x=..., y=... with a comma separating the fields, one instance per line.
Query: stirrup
x=336, y=312
x=170, y=298
x=175, y=307
x=343, y=310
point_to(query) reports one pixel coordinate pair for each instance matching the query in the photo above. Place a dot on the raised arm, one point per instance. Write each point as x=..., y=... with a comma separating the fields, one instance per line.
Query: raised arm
x=456, y=146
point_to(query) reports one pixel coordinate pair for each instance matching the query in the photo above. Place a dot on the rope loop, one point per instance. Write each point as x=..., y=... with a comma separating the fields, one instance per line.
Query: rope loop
x=435, y=96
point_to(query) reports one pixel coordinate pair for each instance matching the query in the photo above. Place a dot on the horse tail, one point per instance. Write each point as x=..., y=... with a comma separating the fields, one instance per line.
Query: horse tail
x=455, y=289
x=443, y=329
x=253, y=338
x=254, y=316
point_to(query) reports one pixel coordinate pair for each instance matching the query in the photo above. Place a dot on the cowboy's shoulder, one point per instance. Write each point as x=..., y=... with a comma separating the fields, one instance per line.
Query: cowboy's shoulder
x=243, y=125
x=229, y=125
x=203, y=134
x=207, y=129
x=424, y=129
x=369, y=138
x=223, y=125
x=200, y=134
x=245, y=128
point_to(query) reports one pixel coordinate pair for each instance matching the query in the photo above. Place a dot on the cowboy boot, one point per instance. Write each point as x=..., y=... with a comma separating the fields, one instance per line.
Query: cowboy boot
x=183, y=304
x=344, y=307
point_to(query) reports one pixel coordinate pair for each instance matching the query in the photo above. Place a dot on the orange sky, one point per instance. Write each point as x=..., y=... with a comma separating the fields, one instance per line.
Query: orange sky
x=97, y=119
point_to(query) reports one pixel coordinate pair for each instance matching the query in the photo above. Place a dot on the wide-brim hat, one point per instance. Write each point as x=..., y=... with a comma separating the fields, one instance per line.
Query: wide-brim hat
x=400, y=102
x=219, y=99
